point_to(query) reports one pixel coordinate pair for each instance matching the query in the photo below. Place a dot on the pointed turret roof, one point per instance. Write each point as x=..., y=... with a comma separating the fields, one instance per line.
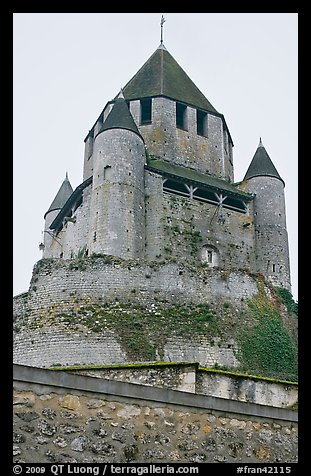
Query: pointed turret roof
x=161, y=75
x=61, y=197
x=120, y=117
x=261, y=165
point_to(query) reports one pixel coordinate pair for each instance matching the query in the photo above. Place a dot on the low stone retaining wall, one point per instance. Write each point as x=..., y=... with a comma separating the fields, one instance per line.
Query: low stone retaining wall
x=63, y=417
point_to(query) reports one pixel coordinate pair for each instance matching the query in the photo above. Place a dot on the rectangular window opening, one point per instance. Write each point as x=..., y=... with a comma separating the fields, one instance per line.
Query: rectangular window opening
x=205, y=196
x=145, y=111
x=181, y=116
x=235, y=204
x=175, y=188
x=201, y=123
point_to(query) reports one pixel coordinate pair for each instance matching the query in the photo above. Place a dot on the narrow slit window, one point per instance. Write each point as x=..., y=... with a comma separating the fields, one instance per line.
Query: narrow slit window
x=209, y=256
x=145, y=111
x=181, y=116
x=201, y=123
x=226, y=141
x=107, y=172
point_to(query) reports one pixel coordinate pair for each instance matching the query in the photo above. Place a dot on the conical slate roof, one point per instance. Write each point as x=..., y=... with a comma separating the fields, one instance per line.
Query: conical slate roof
x=61, y=197
x=120, y=117
x=261, y=165
x=161, y=75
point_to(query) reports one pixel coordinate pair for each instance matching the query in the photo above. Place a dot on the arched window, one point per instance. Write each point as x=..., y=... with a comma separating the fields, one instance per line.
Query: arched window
x=210, y=255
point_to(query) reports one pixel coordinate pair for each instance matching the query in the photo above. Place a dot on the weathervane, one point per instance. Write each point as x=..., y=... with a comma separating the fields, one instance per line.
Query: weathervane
x=162, y=21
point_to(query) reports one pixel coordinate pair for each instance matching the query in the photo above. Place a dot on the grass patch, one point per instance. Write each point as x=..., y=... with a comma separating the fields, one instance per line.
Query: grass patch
x=144, y=331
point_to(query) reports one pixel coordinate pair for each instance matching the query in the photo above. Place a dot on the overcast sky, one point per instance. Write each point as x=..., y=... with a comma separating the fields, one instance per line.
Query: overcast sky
x=67, y=66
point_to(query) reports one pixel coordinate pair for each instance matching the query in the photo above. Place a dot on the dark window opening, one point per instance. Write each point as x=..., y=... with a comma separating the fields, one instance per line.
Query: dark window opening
x=94, y=236
x=176, y=188
x=205, y=196
x=230, y=153
x=273, y=268
x=89, y=145
x=201, y=123
x=128, y=104
x=145, y=111
x=181, y=116
x=234, y=204
x=209, y=256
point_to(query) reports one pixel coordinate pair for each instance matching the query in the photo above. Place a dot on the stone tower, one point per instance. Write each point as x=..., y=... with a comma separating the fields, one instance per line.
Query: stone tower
x=57, y=204
x=155, y=255
x=158, y=183
x=117, y=212
x=178, y=124
x=271, y=240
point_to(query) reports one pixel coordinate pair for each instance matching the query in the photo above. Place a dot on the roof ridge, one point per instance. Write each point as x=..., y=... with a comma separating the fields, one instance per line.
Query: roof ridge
x=161, y=75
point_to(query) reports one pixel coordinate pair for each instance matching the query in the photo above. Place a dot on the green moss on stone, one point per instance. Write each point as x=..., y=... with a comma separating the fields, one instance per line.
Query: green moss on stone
x=266, y=345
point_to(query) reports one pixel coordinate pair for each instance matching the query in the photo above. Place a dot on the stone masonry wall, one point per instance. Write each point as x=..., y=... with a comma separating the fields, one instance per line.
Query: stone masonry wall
x=57, y=424
x=154, y=242
x=49, y=346
x=190, y=225
x=77, y=234
x=193, y=378
x=184, y=147
x=244, y=389
x=61, y=287
x=57, y=281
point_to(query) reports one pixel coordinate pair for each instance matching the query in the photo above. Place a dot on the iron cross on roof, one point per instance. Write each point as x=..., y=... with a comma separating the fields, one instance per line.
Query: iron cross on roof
x=162, y=21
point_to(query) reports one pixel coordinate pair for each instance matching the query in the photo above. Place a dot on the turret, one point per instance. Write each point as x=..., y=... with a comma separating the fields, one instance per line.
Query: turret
x=117, y=221
x=271, y=240
x=51, y=246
